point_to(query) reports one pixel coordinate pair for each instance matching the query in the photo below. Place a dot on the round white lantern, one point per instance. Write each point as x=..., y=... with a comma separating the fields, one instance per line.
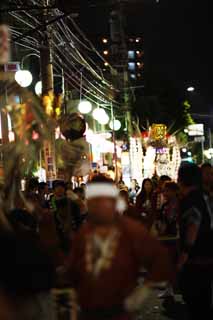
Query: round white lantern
x=116, y=125
x=104, y=119
x=38, y=88
x=85, y=107
x=24, y=78
x=98, y=113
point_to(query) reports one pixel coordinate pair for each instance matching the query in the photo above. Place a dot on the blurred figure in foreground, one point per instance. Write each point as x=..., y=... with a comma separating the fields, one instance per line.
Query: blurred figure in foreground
x=26, y=277
x=195, y=263
x=207, y=173
x=107, y=255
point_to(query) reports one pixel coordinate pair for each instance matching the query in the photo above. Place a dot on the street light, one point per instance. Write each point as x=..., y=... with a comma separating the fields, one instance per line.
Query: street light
x=85, y=107
x=191, y=89
x=24, y=78
x=184, y=150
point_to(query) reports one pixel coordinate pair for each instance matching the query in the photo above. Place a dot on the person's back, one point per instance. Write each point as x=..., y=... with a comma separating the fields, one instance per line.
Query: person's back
x=194, y=210
x=26, y=277
x=195, y=262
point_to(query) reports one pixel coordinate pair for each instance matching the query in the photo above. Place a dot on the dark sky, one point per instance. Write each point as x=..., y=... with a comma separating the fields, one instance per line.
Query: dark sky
x=178, y=36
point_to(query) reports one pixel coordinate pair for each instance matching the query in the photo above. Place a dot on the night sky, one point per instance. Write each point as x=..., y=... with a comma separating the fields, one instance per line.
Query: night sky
x=177, y=42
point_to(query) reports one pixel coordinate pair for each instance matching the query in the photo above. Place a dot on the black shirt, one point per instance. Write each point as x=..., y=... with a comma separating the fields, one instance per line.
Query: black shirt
x=194, y=210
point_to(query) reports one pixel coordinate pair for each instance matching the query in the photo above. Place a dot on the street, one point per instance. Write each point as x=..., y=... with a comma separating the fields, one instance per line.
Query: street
x=158, y=309
x=153, y=309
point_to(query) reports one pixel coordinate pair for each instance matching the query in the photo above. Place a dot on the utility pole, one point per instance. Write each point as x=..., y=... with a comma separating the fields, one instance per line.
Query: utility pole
x=120, y=56
x=4, y=59
x=120, y=61
x=46, y=67
x=46, y=56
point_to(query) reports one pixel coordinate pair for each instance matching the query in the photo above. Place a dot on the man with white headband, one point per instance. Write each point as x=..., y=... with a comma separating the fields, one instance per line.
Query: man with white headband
x=107, y=255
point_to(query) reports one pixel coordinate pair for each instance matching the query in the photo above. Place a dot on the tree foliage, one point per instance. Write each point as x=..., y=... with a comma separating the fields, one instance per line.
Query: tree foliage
x=165, y=105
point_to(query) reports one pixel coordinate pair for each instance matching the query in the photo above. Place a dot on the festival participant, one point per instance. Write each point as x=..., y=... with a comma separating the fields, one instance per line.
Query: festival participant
x=107, y=255
x=170, y=210
x=168, y=226
x=66, y=214
x=133, y=191
x=144, y=203
x=206, y=171
x=196, y=235
x=43, y=192
x=158, y=198
x=80, y=192
x=121, y=186
x=81, y=201
x=127, y=208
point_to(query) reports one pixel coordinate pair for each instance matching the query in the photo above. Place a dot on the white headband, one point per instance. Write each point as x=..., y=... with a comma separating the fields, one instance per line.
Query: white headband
x=95, y=190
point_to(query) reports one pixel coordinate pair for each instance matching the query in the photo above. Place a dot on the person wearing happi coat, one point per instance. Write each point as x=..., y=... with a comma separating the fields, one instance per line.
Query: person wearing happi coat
x=107, y=255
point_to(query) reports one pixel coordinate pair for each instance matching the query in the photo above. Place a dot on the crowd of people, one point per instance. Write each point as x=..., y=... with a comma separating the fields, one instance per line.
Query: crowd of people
x=98, y=237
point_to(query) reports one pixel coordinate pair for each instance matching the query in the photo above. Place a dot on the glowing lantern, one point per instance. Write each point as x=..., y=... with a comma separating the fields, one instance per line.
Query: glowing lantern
x=23, y=78
x=85, y=107
x=38, y=88
x=115, y=125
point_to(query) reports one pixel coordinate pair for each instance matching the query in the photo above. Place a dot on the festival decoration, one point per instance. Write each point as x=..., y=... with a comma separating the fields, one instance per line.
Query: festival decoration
x=72, y=126
x=4, y=44
x=72, y=154
x=136, y=158
x=158, y=132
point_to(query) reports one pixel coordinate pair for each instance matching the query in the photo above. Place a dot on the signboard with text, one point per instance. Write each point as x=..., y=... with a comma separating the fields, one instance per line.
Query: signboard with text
x=196, y=130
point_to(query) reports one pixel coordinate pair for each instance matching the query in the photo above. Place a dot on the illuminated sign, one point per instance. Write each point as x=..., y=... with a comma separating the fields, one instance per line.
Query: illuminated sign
x=196, y=130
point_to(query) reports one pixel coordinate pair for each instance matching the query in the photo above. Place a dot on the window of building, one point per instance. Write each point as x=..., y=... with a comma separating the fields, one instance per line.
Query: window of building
x=140, y=65
x=131, y=54
x=131, y=66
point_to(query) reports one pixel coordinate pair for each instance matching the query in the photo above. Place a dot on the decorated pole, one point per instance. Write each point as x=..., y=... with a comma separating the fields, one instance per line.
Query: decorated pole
x=46, y=67
x=4, y=59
